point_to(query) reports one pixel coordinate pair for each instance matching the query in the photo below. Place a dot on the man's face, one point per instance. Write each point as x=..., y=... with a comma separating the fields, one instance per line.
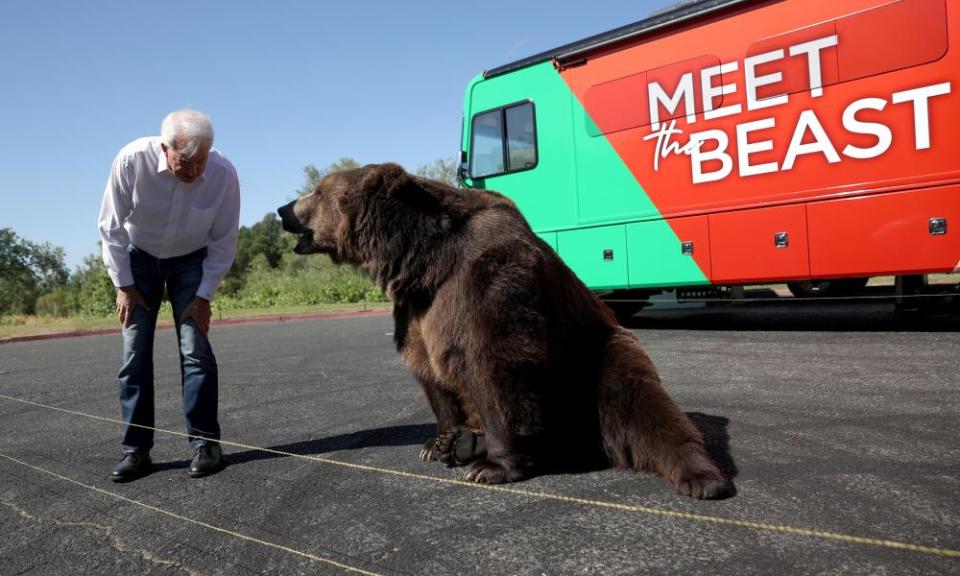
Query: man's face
x=187, y=170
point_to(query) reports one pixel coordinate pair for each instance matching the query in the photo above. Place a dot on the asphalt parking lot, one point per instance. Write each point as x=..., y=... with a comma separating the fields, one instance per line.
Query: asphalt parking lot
x=838, y=423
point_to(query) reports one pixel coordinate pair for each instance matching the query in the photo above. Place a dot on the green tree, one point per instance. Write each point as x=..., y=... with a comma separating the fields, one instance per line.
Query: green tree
x=27, y=270
x=95, y=294
x=265, y=238
x=345, y=163
x=442, y=169
x=313, y=175
x=60, y=302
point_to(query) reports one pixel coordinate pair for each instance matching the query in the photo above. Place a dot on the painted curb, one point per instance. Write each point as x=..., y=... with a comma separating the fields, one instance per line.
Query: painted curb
x=224, y=322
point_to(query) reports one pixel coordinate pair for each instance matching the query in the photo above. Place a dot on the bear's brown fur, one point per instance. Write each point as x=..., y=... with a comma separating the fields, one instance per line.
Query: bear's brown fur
x=524, y=368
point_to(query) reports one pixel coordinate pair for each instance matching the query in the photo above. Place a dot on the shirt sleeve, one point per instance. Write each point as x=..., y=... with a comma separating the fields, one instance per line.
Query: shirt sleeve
x=114, y=211
x=222, y=246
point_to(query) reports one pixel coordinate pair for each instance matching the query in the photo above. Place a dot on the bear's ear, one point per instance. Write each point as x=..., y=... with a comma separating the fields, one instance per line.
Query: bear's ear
x=394, y=183
x=383, y=177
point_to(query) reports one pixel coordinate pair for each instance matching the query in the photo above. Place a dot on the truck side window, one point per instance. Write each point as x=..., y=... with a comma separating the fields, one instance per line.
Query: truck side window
x=521, y=138
x=503, y=140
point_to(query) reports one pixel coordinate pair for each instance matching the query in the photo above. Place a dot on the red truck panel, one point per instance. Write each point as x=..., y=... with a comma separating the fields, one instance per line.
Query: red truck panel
x=743, y=245
x=894, y=239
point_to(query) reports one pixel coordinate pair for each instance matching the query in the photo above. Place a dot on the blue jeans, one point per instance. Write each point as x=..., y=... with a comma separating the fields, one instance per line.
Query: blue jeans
x=198, y=366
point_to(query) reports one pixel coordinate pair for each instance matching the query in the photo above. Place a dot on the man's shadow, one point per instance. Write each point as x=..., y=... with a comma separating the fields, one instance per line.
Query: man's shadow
x=404, y=435
x=713, y=429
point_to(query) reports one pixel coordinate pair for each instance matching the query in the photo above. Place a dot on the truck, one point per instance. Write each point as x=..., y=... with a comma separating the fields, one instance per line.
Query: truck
x=725, y=143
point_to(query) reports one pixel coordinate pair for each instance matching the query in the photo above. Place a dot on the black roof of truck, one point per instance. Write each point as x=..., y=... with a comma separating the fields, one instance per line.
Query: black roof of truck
x=668, y=17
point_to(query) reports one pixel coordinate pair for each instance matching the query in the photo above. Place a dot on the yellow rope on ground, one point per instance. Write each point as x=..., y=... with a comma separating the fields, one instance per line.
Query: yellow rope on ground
x=176, y=516
x=716, y=520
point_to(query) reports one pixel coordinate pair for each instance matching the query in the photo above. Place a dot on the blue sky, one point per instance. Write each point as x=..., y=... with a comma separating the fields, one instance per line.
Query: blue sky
x=286, y=83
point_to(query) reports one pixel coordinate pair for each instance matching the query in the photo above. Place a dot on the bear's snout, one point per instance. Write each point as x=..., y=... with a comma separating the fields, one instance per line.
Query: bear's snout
x=289, y=219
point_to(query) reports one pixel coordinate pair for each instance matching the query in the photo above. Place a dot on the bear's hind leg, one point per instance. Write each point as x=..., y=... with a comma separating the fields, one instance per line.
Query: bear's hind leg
x=644, y=429
x=699, y=477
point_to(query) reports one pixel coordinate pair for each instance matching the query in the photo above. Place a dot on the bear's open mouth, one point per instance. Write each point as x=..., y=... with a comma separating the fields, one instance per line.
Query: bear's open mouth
x=305, y=243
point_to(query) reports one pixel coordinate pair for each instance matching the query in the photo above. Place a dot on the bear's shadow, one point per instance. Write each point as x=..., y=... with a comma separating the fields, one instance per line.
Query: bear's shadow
x=713, y=429
x=716, y=439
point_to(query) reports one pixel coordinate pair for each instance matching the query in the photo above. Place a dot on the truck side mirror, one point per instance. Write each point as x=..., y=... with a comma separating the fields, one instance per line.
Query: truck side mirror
x=463, y=168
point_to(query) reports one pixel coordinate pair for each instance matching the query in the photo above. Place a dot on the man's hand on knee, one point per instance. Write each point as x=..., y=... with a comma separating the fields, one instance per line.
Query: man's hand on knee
x=199, y=310
x=128, y=298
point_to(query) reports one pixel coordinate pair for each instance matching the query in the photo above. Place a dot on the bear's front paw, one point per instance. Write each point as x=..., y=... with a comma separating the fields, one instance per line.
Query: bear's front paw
x=488, y=472
x=430, y=452
x=460, y=447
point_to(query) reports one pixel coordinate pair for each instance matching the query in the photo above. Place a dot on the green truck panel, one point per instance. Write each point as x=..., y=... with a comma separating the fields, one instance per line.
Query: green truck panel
x=599, y=254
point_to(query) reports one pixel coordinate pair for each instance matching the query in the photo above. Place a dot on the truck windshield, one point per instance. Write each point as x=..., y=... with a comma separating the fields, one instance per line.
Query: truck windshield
x=487, y=149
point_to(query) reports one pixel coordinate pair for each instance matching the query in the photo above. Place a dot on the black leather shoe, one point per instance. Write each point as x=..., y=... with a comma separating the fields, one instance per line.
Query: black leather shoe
x=133, y=465
x=206, y=460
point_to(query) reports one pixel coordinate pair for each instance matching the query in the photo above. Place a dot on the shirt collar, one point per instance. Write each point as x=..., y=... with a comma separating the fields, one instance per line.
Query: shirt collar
x=162, y=163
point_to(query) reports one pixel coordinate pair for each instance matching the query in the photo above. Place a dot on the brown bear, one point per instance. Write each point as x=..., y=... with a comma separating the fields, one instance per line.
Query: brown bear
x=526, y=370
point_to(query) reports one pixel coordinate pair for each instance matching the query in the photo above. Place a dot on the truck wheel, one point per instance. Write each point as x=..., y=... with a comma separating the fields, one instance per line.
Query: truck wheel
x=623, y=311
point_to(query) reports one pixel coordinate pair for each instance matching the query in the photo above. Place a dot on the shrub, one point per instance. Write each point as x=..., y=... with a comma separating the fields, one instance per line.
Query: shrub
x=301, y=281
x=97, y=295
x=61, y=302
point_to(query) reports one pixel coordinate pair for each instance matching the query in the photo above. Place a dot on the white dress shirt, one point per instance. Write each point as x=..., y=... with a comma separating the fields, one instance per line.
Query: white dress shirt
x=146, y=205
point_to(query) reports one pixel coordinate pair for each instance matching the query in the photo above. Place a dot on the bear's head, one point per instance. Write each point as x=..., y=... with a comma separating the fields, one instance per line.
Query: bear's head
x=326, y=220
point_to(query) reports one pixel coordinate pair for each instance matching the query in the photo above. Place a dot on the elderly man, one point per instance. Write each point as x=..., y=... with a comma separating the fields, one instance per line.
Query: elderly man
x=170, y=217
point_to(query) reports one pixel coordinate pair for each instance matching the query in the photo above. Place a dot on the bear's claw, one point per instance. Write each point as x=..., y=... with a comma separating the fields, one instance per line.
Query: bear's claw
x=429, y=451
x=485, y=471
x=706, y=488
x=455, y=447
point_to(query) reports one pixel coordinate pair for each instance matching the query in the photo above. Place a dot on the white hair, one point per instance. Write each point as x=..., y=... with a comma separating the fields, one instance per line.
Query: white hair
x=191, y=129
